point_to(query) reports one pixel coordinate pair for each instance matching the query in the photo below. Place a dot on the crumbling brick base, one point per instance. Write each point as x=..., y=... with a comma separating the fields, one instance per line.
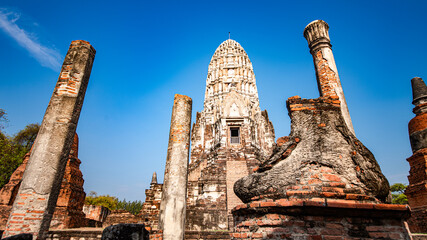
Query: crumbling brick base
x=299, y=219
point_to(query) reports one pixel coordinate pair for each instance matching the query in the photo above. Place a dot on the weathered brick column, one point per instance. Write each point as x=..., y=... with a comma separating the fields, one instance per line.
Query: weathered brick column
x=172, y=207
x=417, y=189
x=36, y=199
x=328, y=80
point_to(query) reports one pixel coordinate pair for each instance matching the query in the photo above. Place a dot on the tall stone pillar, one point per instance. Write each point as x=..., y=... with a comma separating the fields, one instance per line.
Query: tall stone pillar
x=173, y=204
x=37, y=196
x=328, y=80
x=417, y=189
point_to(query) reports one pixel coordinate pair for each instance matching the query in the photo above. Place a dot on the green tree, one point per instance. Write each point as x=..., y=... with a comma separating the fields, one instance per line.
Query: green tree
x=103, y=200
x=133, y=207
x=113, y=203
x=13, y=149
x=11, y=156
x=398, y=193
x=27, y=136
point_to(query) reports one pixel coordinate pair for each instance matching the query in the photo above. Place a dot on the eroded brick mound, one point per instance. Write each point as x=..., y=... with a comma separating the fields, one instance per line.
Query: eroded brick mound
x=320, y=158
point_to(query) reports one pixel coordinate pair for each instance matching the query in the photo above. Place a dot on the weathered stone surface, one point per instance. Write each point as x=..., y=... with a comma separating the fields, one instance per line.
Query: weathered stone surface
x=36, y=199
x=22, y=236
x=417, y=189
x=172, y=207
x=322, y=158
x=328, y=80
x=218, y=159
x=125, y=232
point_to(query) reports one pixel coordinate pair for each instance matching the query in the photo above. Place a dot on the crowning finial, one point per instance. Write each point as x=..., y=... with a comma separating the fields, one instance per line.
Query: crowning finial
x=419, y=90
x=229, y=35
x=154, y=178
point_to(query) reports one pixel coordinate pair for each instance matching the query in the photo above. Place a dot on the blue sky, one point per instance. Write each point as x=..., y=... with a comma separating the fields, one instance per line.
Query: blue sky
x=149, y=50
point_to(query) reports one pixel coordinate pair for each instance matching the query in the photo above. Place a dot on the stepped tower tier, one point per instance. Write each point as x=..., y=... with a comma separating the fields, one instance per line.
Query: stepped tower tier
x=230, y=70
x=230, y=137
x=231, y=102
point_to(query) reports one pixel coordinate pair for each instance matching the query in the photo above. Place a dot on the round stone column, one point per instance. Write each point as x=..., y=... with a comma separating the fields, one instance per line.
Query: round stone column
x=327, y=76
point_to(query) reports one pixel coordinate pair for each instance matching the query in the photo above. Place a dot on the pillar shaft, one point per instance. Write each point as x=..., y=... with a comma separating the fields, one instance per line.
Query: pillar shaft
x=37, y=196
x=327, y=76
x=173, y=204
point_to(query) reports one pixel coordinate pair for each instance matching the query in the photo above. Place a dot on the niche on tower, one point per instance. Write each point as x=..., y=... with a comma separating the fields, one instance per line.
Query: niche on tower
x=234, y=131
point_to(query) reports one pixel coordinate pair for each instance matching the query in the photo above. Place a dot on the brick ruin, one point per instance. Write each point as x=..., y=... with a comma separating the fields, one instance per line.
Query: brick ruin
x=69, y=206
x=321, y=182
x=417, y=189
x=37, y=195
x=230, y=136
x=312, y=189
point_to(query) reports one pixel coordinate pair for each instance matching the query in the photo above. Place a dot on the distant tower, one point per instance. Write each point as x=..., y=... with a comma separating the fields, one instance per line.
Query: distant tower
x=151, y=208
x=231, y=135
x=328, y=80
x=417, y=189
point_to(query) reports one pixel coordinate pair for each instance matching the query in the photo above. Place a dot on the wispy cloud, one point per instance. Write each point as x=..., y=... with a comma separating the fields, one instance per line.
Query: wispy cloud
x=46, y=56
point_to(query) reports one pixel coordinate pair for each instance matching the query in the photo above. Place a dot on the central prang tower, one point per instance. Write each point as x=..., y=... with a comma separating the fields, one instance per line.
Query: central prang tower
x=230, y=137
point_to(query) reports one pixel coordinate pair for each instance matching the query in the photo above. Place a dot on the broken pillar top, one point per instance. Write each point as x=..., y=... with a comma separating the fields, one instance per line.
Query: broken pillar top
x=76, y=43
x=419, y=91
x=317, y=35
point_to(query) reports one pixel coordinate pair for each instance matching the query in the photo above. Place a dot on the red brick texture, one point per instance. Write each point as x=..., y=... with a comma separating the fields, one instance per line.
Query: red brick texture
x=328, y=79
x=417, y=189
x=156, y=235
x=319, y=219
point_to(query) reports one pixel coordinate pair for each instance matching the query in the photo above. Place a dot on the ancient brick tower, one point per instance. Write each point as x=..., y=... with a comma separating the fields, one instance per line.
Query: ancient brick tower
x=230, y=137
x=417, y=189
